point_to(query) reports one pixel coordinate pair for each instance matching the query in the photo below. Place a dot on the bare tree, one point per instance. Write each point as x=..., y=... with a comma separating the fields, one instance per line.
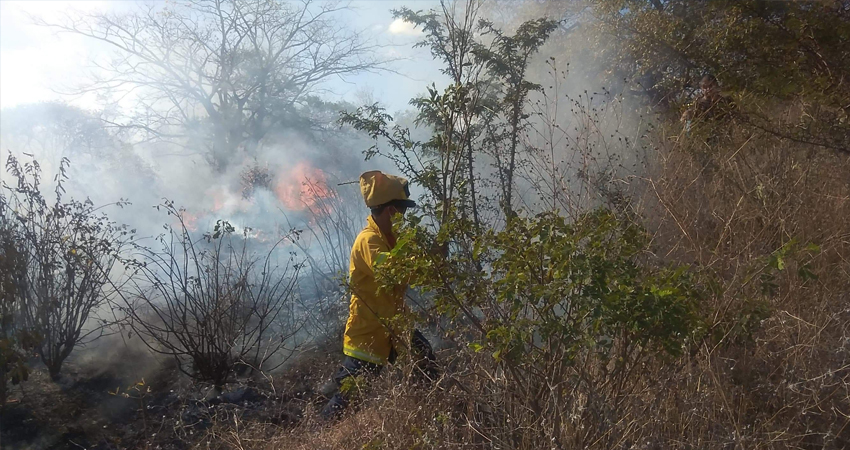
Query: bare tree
x=68, y=251
x=507, y=60
x=209, y=303
x=224, y=71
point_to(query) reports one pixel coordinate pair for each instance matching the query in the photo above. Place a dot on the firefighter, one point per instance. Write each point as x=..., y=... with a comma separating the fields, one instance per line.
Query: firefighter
x=369, y=342
x=710, y=105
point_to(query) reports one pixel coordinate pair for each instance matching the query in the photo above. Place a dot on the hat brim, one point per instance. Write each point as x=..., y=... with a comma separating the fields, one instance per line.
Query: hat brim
x=401, y=203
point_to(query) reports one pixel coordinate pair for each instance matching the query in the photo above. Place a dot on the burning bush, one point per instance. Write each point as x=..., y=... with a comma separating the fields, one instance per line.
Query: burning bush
x=210, y=303
x=302, y=187
x=254, y=177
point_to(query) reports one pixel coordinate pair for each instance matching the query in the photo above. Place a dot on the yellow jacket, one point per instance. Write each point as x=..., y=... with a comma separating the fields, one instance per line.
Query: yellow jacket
x=366, y=337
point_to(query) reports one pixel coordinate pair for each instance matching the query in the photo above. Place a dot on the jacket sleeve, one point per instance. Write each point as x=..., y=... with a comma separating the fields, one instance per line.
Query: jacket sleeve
x=367, y=253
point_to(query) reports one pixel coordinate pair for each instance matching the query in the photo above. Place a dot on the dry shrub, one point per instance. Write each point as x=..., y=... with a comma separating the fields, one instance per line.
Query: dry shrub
x=751, y=209
x=771, y=371
x=212, y=303
x=393, y=412
x=759, y=218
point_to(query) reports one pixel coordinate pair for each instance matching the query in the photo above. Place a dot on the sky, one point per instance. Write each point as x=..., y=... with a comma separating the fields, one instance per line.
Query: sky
x=38, y=65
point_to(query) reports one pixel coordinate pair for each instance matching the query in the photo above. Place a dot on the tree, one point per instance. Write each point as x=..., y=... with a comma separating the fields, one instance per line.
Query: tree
x=508, y=60
x=52, y=131
x=67, y=251
x=222, y=72
x=449, y=34
x=484, y=104
x=209, y=303
x=768, y=53
x=443, y=165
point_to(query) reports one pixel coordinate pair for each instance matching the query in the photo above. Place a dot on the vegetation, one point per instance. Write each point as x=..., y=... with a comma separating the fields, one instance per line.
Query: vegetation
x=589, y=311
x=219, y=76
x=213, y=307
x=61, y=258
x=598, y=273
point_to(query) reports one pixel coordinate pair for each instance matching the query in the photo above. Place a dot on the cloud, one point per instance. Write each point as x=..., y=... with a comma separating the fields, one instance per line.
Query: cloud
x=400, y=27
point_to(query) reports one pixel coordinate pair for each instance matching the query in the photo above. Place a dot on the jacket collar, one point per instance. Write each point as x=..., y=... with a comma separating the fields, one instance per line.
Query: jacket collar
x=370, y=223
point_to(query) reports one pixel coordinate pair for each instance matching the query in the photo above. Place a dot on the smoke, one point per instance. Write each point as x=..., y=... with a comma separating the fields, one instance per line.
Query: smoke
x=292, y=179
x=582, y=144
x=586, y=126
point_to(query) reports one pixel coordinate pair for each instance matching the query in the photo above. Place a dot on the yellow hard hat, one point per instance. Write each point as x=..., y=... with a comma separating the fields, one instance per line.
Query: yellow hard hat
x=379, y=189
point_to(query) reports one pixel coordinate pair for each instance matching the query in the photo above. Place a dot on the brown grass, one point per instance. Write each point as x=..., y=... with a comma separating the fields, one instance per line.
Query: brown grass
x=723, y=204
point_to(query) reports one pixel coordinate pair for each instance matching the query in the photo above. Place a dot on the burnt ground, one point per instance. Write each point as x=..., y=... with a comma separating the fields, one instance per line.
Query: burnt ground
x=81, y=409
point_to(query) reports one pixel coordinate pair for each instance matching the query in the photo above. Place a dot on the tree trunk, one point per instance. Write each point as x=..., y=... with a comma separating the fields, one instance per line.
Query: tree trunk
x=53, y=370
x=509, y=176
x=4, y=369
x=470, y=162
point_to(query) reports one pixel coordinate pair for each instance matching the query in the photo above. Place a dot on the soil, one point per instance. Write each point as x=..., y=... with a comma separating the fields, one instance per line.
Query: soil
x=83, y=410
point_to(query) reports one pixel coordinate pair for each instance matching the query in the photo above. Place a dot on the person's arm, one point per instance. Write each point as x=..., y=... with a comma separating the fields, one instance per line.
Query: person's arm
x=376, y=245
x=372, y=247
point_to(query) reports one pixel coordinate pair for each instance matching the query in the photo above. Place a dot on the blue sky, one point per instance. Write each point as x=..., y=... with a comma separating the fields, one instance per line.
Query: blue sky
x=36, y=63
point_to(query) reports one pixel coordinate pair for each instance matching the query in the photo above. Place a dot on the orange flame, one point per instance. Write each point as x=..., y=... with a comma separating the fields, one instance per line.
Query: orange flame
x=190, y=221
x=302, y=187
x=218, y=201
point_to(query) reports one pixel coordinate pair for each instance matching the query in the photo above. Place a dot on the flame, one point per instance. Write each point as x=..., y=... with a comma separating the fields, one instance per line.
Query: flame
x=218, y=200
x=190, y=221
x=303, y=187
x=300, y=188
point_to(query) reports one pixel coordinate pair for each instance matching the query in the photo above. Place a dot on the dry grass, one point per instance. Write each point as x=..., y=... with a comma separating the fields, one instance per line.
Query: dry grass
x=726, y=207
x=781, y=382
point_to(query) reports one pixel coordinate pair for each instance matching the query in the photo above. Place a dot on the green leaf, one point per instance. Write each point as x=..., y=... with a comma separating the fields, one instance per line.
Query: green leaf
x=382, y=257
x=805, y=273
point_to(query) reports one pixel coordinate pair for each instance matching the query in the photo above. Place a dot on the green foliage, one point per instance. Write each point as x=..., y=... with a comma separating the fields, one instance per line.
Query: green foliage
x=760, y=51
x=738, y=322
x=221, y=228
x=545, y=283
x=769, y=268
x=479, y=115
x=139, y=391
x=352, y=386
x=374, y=444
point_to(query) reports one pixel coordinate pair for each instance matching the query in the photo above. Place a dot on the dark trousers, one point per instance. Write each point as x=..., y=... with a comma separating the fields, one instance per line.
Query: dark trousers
x=353, y=367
